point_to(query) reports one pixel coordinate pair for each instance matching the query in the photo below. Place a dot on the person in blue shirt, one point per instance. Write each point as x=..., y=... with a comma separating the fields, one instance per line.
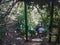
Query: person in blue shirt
x=40, y=31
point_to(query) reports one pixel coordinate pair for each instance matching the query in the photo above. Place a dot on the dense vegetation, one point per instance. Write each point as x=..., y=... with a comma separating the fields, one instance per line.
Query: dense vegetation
x=12, y=15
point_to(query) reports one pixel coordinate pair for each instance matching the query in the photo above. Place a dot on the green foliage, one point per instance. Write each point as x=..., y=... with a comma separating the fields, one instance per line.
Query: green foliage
x=20, y=15
x=2, y=34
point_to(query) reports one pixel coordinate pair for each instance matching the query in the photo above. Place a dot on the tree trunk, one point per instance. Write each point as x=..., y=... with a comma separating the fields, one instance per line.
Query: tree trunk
x=51, y=18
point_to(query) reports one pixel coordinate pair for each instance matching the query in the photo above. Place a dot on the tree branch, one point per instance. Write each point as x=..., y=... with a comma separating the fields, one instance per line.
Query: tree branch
x=9, y=9
x=4, y=2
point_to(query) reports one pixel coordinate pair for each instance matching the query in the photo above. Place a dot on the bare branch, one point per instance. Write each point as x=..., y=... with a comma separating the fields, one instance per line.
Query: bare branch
x=9, y=9
x=4, y=2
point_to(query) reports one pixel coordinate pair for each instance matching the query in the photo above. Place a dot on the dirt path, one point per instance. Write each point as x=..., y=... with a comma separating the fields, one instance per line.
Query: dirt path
x=10, y=39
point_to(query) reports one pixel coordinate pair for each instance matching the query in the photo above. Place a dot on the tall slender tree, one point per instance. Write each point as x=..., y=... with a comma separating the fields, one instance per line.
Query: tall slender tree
x=51, y=18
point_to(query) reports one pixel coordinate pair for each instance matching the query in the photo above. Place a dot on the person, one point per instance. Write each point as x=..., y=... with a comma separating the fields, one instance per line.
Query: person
x=31, y=30
x=40, y=31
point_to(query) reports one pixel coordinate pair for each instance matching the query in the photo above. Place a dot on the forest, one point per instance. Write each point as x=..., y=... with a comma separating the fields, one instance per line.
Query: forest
x=24, y=15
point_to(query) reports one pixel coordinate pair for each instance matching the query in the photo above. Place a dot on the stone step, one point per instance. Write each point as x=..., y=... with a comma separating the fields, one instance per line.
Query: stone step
x=37, y=39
